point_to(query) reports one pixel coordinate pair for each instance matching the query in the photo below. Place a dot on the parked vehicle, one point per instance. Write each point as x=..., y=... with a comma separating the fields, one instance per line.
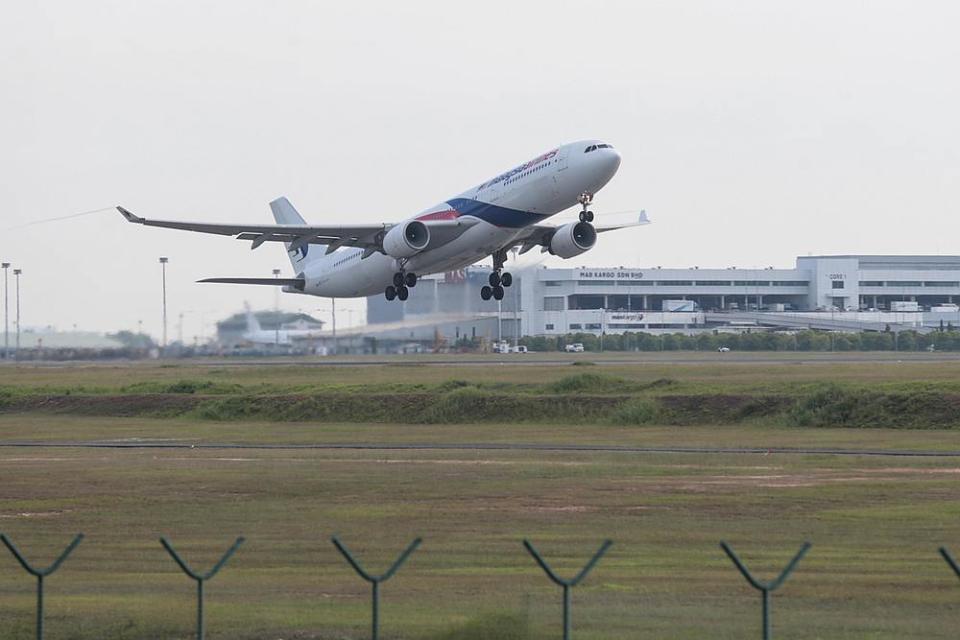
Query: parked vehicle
x=576, y=347
x=723, y=349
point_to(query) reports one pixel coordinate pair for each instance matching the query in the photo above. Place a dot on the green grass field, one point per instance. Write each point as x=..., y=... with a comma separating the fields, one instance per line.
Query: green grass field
x=875, y=522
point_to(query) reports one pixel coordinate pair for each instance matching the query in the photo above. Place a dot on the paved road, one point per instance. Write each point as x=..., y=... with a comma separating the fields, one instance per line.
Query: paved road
x=480, y=446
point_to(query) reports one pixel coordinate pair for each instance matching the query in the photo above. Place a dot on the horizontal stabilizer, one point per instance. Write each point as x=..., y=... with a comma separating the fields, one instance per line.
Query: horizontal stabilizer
x=276, y=282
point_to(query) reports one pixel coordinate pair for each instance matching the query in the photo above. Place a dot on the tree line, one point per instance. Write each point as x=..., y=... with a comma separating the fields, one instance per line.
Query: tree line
x=753, y=341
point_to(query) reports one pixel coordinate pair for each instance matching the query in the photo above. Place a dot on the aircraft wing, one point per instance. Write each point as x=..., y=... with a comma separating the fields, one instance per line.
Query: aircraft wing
x=297, y=283
x=365, y=236
x=541, y=234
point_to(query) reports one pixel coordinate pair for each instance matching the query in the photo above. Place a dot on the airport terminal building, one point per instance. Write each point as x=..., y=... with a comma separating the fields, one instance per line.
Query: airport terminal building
x=844, y=292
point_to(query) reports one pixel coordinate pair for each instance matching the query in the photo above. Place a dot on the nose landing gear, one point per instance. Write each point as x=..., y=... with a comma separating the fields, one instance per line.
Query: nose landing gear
x=585, y=199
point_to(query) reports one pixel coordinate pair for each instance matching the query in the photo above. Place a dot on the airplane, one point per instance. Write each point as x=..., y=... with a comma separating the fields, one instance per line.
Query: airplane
x=504, y=212
x=257, y=335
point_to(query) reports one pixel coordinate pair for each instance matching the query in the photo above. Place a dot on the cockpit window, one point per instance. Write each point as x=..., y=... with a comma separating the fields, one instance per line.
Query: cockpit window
x=594, y=147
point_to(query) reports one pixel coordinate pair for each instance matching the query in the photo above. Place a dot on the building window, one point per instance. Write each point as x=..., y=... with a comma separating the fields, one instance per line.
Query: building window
x=903, y=283
x=751, y=283
x=674, y=283
x=593, y=326
x=596, y=283
x=871, y=283
x=713, y=283
x=552, y=283
x=576, y=326
x=837, y=284
x=790, y=283
x=941, y=283
x=553, y=303
x=549, y=327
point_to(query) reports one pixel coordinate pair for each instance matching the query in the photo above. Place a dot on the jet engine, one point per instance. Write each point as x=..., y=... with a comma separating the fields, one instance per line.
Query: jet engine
x=299, y=287
x=406, y=239
x=572, y=239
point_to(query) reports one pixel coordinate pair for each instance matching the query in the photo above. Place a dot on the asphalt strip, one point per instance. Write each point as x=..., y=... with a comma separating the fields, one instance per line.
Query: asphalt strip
x=892, y=453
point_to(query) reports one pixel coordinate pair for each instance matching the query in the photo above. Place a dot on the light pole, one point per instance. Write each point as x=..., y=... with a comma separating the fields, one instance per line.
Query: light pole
x=516, y=305
x=163, y=269
x=276, y=309
x=6, y=319
x=603, y=323
x=333, y=318
x=16, y=275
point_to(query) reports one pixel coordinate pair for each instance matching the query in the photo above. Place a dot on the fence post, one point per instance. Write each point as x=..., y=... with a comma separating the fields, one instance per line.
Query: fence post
x=200, y=578
x=566, y=585
x=375, y=580
x=40, y=574
x=766, y=588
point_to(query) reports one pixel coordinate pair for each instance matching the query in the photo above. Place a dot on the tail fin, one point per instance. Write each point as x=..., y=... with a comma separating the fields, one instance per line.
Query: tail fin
x=253, y=325
x=284, y=213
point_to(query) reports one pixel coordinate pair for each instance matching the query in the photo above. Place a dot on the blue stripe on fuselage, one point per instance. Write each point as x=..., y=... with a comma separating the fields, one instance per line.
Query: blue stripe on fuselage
x=499, y=216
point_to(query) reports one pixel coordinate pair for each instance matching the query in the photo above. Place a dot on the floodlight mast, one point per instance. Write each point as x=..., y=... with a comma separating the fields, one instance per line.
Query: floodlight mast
x=16, y=274
x=276, y=310
x=163, y=276
x=6, y=310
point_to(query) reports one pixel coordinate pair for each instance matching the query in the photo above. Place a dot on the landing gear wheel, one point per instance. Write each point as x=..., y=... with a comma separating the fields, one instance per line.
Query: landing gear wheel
x=403, y=293
x=506, y=279
x=391, y=292
x=498, y=293
x=486, y=292
x=410, y=279
x=585, y=199
x=398, y=280
x=494, y=279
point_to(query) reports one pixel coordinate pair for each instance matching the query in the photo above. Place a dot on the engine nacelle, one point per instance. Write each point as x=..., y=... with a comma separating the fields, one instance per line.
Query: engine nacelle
x=406, y=240
x=296, y=288
x=572, y=239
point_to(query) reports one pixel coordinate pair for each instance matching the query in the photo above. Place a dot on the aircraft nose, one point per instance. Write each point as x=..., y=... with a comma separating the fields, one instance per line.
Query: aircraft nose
x=608, y=161
x=612, y=160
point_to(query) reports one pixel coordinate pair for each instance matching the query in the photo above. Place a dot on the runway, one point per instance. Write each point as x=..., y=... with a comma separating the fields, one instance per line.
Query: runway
x=481, y=446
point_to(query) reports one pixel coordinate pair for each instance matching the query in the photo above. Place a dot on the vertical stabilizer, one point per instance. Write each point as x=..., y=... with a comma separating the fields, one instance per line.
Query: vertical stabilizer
x=284, y=213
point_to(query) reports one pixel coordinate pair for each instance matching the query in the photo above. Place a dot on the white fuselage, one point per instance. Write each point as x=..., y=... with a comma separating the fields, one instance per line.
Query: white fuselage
x=498, y=211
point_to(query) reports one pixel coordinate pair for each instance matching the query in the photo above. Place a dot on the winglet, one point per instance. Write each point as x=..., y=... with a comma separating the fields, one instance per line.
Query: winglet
x=129, y=216
x=643, y=217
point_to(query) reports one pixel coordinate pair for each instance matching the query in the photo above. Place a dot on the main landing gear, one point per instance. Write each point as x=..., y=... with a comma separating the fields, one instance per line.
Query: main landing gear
x=498, y=279
x=402, y=283
x=585, y=199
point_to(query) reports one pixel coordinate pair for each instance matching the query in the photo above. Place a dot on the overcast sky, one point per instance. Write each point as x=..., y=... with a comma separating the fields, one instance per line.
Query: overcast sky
x=751, y=132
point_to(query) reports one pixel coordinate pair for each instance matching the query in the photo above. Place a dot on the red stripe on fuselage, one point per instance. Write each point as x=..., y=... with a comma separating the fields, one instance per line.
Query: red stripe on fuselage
x=449, y=214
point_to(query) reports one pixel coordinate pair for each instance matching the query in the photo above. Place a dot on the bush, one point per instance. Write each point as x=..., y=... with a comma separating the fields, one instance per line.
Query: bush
x=638, y=411
x=589, y=383
x=451, y=385
x=184, y=386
